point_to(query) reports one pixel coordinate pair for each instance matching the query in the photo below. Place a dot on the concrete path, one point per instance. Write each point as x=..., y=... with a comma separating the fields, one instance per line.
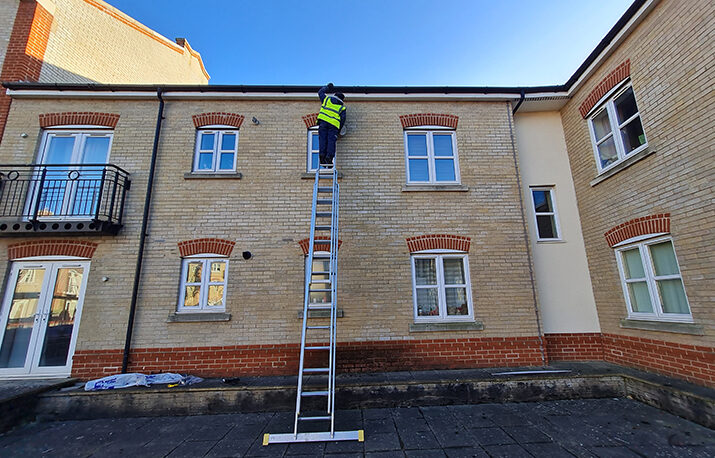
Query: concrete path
x=582, y=428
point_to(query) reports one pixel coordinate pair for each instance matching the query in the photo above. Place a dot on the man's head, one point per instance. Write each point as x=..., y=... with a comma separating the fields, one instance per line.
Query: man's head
x=340, y=95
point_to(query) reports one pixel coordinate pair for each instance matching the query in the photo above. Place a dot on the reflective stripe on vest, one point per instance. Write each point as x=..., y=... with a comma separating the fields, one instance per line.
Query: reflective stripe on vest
x=330, y=112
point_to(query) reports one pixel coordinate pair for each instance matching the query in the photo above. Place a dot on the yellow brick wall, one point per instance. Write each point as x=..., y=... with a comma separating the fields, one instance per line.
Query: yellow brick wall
x=671, y=56
x=8, y=9
x=91, y=41
x=268, y=211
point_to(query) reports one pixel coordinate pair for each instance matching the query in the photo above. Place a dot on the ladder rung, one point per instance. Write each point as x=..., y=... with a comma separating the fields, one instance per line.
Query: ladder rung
x=318, y=327
x=318, y=347
x=320, y=290
x=320, y=307
x=314, y=393
x=325, y=189
x=314, y=418
x=320, y=281
x=324, y=201
x=323, y=214
x=321, y=242
x=315, y=272
x=323, y=228
x=316, y=369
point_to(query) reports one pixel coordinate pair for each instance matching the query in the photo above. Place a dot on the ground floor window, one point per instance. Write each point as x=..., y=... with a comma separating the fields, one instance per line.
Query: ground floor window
x=652, y=284
x=441, y=289
x=203, y=284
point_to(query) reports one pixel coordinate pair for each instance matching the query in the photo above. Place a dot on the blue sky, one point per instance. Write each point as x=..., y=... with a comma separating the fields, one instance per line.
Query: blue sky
x=385, y=43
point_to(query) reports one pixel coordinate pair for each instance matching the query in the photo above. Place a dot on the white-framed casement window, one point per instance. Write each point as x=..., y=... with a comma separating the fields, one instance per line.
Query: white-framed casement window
x=216, y=149
x=440, y=287
x=203, y=283
x=320, y=277
x=431, y=156
x=616, y=128
x=545, y=215
x=652, y=284
x=313, y=144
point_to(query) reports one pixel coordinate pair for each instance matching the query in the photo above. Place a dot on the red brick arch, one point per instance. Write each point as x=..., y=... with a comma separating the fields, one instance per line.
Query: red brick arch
x=79, y=248
x=429, y=119
x=620, y=73
x=438, y=242
x=69, y=118
x=220, y=118
x=305, y=244
x=310, y=120
x=208, y=245
x=653, y=224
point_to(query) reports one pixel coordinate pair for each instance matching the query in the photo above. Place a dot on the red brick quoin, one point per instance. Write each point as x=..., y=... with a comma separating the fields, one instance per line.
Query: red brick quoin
x=199, y=246
x=429, y=119
x=305, y=244
x=218, y=118
x=310, y=120
x=438, y=242
x=79, y=248
x=653, y=224
x=79, y=118
x=621, y=72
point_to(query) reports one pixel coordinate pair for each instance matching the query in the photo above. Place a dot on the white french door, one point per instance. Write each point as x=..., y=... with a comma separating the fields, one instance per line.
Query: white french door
x=40, y=317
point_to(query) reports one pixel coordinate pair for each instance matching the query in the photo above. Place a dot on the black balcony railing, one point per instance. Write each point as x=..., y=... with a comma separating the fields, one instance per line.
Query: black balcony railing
x=62, y=198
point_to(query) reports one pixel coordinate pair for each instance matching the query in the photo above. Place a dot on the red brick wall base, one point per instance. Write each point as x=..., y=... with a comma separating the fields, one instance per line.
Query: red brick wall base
x=283, y=359
x=692, y=363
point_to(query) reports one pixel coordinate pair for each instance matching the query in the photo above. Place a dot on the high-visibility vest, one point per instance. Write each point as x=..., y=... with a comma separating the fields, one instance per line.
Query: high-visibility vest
x=330, y=112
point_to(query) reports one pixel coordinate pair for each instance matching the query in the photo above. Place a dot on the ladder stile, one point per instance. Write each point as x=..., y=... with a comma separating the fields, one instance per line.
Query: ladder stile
x=311, y=344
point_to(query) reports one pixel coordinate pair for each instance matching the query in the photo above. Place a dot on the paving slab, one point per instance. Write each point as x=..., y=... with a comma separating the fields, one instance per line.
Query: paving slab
x=554, y=429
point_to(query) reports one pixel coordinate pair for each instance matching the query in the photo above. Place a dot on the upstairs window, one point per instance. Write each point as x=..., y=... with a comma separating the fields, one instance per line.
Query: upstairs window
x=441, y=289
x=652, y=284
x=547, y=223
x=431, y=157
x=313, y=144
x=203, y=284
x=616, y=129
x=216, y=149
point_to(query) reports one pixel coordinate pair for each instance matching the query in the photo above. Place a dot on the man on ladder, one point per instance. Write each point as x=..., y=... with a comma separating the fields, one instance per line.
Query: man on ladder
x=331, y=122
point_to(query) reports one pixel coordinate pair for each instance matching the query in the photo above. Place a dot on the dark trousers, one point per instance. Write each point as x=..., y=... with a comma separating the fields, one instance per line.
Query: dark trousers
x=327, y=136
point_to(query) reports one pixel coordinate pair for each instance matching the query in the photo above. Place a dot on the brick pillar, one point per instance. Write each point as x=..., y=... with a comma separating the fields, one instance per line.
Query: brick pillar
x=25, y=51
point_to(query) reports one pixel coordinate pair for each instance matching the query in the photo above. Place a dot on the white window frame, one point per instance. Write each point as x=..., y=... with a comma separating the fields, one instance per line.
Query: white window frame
x=308, y=277
x=439, y=256
x=205, y=259
x=80, y=133
x=607, y=103
x=220, y=130
x=650, y=279
x=308, y=165
x=557, y=226
x=430, y=131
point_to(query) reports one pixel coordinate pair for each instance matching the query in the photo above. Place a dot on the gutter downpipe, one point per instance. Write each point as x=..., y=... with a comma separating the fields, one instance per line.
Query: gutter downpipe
x=518, y=104
x=526, y=234
x=143, y=234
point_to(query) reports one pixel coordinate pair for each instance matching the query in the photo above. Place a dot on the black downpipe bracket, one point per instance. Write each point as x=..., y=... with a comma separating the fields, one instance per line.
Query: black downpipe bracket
x=142, y=236
x=518, y=104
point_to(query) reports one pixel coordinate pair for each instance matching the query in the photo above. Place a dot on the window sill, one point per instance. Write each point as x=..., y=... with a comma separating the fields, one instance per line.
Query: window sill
x=434, y=187
x=451, y=326
x=549, y=241
x=212, y=176
x=320, y=314
x=624, y=164
x=182, y=317
x=663, y=326
x=311, y=175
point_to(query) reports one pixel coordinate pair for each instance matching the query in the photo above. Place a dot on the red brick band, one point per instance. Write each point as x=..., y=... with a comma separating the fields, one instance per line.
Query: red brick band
x=438, y=242
x=305, y=244
x=283, y=359
x=79, y=118
x=218, y=118
x=79, y=248
x=200, y=246
x=429, y=119
x=653, y=224
x=310, y=120
x=574, y=346
x=621, y=72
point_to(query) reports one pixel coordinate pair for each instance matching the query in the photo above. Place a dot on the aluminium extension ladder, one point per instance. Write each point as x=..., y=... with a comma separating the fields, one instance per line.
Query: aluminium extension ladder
x=318, y=340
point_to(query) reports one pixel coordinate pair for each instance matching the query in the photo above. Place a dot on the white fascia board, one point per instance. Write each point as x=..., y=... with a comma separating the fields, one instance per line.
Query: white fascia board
x=614, y=44
x=54, y=94
x=349, y=96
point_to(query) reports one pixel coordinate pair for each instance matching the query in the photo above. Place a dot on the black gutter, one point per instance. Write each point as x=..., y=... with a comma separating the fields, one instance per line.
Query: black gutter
x=142, y=236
